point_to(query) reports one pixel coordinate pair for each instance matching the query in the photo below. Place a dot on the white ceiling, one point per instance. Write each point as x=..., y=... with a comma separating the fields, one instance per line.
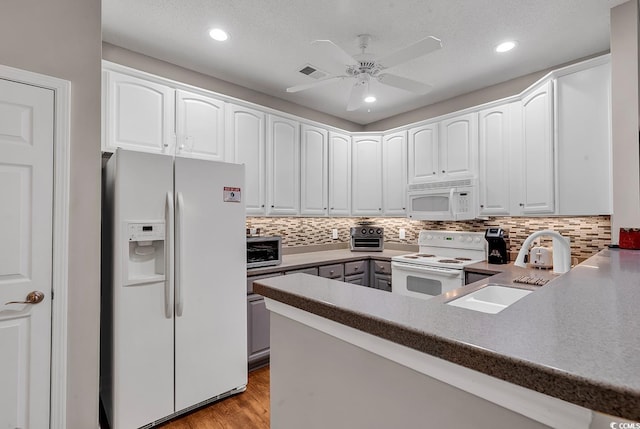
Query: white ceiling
x=270, y=41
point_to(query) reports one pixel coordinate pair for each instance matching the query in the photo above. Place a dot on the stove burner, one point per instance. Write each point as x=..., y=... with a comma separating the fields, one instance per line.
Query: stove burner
x=425, y=255
x=463, y=259
x=410, y=257
x=449, y=261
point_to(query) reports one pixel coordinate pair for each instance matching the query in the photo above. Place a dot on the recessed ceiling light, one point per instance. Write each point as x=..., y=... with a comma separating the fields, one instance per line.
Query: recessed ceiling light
x=369, y=99
x=218, y=34
x=505, y=46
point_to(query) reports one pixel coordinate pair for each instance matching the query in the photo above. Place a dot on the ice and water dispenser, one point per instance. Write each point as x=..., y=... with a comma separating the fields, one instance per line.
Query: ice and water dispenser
x=145, y=253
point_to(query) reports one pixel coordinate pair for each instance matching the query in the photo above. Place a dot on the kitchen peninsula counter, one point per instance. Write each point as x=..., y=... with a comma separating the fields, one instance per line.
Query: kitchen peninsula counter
x=576, y=339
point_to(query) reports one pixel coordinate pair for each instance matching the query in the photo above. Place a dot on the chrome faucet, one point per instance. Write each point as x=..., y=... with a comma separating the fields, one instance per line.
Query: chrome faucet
x=561, y=251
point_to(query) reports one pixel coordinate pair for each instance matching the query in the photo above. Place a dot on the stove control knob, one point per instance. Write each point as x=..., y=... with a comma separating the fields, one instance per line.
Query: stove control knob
x=429, y=237
x=371, y=231
x=469, y=239
x=378, y=231
x=364, y=230
x=477, y=240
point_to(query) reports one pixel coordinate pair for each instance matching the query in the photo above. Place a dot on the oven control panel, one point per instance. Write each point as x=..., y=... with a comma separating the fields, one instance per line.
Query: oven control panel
x=452, y=239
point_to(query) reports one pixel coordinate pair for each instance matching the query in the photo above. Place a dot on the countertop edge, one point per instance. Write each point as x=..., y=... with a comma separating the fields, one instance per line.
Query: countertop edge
x=598, y=396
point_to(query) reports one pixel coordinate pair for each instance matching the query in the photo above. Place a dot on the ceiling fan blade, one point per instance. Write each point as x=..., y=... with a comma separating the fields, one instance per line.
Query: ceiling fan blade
x=321, y=82
x=357, y=96
x=331, y=56
x=404, y=83
x=415, y=50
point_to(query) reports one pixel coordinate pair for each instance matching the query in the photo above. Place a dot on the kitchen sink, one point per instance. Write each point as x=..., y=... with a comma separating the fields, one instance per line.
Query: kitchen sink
x=491, y=299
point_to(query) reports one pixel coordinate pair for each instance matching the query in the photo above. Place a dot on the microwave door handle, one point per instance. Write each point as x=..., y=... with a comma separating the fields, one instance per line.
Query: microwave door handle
x=451, y=192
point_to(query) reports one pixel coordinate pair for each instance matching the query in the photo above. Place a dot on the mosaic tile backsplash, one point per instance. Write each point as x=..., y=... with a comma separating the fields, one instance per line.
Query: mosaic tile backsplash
x=588, y=235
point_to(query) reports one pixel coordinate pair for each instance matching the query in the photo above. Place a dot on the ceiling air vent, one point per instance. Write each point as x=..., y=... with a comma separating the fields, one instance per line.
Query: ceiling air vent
x=313, y=72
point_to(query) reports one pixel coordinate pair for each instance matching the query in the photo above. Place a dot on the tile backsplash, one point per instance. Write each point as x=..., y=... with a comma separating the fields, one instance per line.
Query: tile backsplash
x=588, y=234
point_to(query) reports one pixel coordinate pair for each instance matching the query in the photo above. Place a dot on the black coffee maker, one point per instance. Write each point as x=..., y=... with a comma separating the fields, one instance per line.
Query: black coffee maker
x=498, y=252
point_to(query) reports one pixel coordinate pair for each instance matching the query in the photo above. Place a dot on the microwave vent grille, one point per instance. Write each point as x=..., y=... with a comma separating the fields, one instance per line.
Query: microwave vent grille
x=441, y=185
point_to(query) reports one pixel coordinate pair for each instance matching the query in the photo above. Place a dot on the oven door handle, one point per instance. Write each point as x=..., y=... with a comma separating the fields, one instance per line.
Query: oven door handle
x=414, y=268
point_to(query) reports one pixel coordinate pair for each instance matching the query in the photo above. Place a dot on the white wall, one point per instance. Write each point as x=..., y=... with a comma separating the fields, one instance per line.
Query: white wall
x=62, y=38
x=625, y=113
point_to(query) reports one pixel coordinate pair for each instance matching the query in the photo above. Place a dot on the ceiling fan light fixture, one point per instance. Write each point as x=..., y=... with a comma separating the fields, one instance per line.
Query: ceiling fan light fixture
x=370, y=99
x=505, y=46
x=218, y=34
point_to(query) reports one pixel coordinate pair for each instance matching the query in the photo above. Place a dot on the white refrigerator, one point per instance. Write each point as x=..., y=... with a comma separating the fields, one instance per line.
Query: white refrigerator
x=174, y=322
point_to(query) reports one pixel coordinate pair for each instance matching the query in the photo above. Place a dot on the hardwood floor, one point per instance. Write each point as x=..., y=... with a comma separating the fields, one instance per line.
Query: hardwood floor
x=247, y=410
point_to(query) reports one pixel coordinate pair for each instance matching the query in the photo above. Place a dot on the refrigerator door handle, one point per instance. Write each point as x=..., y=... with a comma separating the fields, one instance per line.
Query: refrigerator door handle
x=178, y=254
x=168, y=257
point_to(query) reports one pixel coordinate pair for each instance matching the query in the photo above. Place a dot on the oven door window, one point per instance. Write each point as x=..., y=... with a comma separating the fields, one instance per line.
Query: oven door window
x=426, y=286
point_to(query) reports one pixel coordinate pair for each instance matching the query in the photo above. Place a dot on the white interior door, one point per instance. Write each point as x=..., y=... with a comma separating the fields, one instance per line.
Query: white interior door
x=26, y=192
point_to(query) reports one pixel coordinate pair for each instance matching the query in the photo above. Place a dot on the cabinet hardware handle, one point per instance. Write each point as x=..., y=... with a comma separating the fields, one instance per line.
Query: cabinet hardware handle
x=262, y=205
x=443, y=171
x=403, y=208
x=272, y=206
x=481, y=206
x=379, y=208
x=166, y=145
x=434, y=172
x=521, y=204
x=331, y=208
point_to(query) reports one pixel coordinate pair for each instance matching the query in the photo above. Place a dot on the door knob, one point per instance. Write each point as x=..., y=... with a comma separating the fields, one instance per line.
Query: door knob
x=32, y=298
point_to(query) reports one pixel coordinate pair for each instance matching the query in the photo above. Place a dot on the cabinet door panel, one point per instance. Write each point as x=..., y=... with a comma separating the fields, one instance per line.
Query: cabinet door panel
x=139, y=114
x=494, y=163
x=258, y=327
x=458, y=141
x=283, y=166
x=584, y=142
x=537, y=151
x=423, y=153
x=339, y=174
x=394, y=174
x=200, y=126
x=313, y=171
x=245, y=136
x=367, y=176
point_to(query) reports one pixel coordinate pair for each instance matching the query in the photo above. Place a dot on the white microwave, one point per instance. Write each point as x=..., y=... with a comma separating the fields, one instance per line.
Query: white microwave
x=443, y=200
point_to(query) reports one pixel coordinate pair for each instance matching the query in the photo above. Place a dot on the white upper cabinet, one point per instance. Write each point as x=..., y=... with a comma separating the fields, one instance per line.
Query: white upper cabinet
x=138, y=114
x=245, y=135
x=314, y=167
x=394, y=174
x=339, y=174
x=200, y=127
x=423, y=153
x=283, y=166
x=458, y=146
x=495, y=139
x=537, y=189
x=366, y=196
x=584, y=142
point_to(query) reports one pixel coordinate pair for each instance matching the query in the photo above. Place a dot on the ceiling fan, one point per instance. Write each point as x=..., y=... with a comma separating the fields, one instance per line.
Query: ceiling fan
x=364, y=67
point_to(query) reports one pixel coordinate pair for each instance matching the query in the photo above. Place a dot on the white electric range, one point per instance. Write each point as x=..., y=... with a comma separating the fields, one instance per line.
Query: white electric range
x=438, y=266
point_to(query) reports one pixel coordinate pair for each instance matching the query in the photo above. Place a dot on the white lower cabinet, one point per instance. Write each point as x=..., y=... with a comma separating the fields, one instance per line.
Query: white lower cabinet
x=537, y=186
x=339, y=174
x=495, y=140
x=138, y=114
x=314, y=168
x=200, y=127
x=245, y=133
x=366, y=191
x=394, y=174
x=283, y=166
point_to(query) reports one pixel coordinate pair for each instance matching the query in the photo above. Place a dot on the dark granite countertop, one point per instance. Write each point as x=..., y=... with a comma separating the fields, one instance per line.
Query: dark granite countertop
x=577, y=338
